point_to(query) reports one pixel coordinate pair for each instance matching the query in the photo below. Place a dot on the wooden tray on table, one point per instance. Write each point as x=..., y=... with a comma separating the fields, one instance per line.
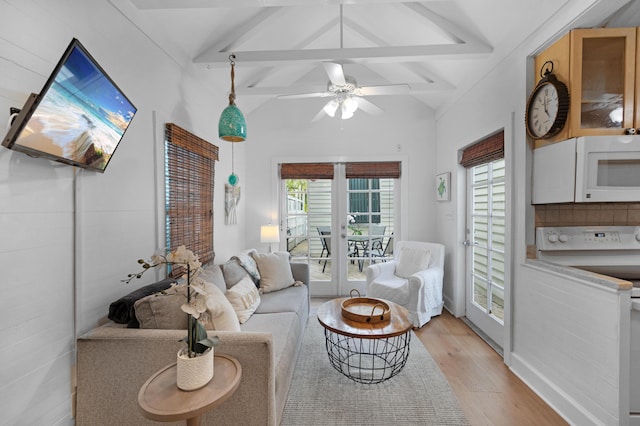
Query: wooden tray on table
x=367, y=310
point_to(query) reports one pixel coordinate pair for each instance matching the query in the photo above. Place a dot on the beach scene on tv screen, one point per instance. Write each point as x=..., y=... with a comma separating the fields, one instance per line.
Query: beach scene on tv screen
x=82, y=116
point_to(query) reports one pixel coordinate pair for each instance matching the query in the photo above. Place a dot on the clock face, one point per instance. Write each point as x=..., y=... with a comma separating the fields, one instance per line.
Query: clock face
x=543, y=110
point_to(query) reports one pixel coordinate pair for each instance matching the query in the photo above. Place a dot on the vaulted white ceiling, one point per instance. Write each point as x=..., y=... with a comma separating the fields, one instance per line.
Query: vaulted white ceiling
x=439, y=47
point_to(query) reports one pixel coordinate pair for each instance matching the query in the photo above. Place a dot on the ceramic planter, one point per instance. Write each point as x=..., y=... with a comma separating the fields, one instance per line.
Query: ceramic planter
x=194, y=373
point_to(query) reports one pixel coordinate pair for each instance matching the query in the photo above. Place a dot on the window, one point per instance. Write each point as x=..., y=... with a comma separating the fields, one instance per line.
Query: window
x=189, y=177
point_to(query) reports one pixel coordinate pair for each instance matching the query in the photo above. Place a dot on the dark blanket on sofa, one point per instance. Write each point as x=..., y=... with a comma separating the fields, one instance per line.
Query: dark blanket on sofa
x=122, y=312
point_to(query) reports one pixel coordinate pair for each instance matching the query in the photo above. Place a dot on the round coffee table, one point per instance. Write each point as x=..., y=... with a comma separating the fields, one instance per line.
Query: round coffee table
x=366, y=352
x=160, y=398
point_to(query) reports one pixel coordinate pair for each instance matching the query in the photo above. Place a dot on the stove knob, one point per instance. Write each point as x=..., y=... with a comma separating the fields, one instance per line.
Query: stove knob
x=637, y=237
x=563, y=238
x=553, y=238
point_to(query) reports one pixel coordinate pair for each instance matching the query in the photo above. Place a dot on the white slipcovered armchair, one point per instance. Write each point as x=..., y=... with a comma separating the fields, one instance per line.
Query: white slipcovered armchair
x=412, y=279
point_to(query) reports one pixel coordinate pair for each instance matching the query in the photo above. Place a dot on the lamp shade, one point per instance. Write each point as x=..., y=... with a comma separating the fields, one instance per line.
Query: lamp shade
x=269, y=234
x=232, y=126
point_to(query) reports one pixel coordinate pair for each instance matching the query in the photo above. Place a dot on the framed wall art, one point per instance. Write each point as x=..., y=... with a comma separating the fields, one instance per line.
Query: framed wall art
x=443, y=188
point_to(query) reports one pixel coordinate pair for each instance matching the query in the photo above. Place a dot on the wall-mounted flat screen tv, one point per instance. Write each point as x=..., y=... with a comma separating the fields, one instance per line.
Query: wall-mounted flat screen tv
x=79, y=117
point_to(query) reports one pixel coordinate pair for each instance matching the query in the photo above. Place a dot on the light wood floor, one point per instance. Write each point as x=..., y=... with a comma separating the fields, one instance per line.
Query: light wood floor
x=489, y=393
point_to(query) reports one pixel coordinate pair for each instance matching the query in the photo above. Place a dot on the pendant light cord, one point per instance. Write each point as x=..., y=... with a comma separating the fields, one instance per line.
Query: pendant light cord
x=232, y=95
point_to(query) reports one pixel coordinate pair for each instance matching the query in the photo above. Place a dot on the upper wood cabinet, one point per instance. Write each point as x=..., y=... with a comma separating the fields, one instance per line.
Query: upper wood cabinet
x=599, y=68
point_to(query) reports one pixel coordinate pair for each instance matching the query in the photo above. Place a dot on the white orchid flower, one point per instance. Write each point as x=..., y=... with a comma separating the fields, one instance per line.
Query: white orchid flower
x=191, y=310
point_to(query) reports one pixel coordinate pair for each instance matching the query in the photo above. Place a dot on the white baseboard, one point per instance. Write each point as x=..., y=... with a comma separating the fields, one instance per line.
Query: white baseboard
x=563, y=404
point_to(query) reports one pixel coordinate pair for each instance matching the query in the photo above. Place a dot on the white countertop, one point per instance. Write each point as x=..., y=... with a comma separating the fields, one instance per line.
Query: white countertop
x=604, y=280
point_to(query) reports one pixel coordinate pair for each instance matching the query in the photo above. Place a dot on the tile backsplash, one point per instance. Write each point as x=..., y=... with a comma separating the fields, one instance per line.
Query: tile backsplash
x=584, y=214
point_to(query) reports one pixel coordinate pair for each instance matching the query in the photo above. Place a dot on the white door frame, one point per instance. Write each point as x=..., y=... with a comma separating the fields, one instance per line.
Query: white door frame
x=401, y=193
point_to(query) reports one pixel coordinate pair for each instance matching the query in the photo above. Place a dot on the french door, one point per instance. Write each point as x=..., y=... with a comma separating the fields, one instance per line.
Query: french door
x=339, y=225
x=486, y=224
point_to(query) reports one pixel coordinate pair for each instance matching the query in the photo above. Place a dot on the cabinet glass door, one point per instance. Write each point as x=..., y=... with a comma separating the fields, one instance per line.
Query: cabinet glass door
x=604, y=83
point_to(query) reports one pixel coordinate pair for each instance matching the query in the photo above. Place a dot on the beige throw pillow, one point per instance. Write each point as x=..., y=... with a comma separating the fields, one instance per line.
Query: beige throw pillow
x=222, y=315
x=275, y=271
x=412, y=260
x=162, y=311
x=245, y=298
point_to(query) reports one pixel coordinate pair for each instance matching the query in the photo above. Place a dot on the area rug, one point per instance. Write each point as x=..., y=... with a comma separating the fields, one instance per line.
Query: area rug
x=320, y=395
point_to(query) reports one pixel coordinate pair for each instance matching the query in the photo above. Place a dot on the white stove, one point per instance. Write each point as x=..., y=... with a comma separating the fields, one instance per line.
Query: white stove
x=606, y=250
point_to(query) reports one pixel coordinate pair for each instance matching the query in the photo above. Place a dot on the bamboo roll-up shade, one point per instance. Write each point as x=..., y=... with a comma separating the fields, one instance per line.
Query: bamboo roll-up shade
x=485, y=151
x=306, y=171
x=189, y=176
x=372, y=170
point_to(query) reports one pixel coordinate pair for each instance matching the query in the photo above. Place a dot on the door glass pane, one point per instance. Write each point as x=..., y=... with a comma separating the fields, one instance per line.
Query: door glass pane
x=497, y=234
x=488, y=232
x=480, y=292
x=308, y=220
x=480, y=262
x=370, y=219
x=480, y=173
x=497, y=302
x=603, y=67
x=481, y=231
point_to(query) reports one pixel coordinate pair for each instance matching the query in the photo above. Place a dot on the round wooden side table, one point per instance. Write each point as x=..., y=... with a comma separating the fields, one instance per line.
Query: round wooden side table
x=160, y=398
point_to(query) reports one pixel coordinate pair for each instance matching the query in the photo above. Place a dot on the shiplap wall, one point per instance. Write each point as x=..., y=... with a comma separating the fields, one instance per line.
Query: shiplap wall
x=68, y=236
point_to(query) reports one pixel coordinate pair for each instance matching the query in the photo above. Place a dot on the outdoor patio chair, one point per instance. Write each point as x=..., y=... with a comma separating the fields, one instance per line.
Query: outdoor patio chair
x=377, y=237
x=412, y=279
x=383, y=253
x=325, y=234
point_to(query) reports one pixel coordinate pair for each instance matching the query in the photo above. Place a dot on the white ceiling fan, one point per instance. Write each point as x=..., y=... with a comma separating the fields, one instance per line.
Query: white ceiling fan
x=347, y=97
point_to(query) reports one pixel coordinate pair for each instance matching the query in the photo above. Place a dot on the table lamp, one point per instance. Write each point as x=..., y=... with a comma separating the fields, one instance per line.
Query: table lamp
x=269, y=234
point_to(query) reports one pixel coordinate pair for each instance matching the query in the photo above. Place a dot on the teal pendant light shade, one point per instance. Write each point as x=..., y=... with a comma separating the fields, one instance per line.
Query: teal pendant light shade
x=232, y=126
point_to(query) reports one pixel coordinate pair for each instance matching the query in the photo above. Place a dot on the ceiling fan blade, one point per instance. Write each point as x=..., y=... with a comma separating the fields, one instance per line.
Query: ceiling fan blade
x=369, y=107
x=319, y=115
x=335, y=72
x=390, y=89
x=306, y=95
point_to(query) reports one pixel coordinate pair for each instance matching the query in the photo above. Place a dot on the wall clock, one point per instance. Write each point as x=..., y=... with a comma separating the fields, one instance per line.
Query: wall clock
x=547, y=106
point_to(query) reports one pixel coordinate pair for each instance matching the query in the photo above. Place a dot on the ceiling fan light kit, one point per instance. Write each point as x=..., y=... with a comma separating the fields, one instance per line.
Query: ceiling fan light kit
x=331, y=107
x=347, y=95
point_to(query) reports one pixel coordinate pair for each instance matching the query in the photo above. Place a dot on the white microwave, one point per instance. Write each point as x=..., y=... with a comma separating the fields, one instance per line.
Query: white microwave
x=588, y=169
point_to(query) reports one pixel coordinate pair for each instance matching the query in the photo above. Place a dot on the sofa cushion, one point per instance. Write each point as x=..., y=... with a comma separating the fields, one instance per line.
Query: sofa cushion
x=121, y=311
x=412, y=260
x=213, y=274
x=162, y=310
x=233, y=272
x=244, y=297
x=275, y=271
x=290, y=299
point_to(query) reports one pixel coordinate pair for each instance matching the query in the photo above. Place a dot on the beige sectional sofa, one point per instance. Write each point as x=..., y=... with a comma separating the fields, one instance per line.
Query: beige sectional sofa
x=113, y=362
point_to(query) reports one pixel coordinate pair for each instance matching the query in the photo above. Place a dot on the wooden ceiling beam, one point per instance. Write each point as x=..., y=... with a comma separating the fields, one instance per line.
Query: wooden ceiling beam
x=199, y=4
x=346, y=55
x=414, y=89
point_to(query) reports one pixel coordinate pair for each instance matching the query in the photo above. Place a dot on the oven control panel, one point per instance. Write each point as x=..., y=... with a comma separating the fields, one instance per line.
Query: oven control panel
x=588, y=238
